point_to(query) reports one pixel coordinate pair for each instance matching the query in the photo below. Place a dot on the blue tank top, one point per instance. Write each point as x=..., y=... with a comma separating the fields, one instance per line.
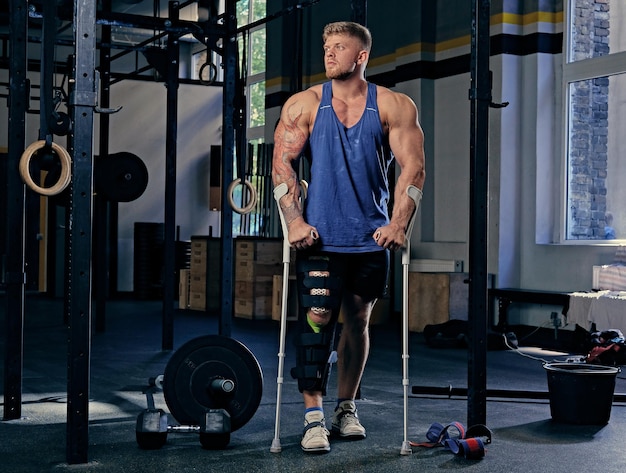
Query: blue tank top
x=349, y=190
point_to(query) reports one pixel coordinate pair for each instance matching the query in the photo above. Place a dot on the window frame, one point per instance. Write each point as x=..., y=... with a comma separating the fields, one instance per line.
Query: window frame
x=571, y=72
x=257, y=132
x=254, y=134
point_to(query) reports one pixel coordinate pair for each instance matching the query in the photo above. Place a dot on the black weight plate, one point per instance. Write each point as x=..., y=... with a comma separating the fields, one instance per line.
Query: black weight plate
x=60, y=123
x=120, y=177
x=188, y=375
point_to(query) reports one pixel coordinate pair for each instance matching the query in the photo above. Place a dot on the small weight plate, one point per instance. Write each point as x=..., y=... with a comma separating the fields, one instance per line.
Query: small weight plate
x=120, y=177
x=188, y=377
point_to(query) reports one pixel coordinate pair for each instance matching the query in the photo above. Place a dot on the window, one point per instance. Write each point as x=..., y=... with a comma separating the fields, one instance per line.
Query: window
x=254, y=40
x=594, y=76
x=249, y=11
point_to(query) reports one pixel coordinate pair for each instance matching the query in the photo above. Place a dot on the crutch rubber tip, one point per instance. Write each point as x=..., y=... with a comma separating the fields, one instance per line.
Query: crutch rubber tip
x=276, y=448
x=406, y=449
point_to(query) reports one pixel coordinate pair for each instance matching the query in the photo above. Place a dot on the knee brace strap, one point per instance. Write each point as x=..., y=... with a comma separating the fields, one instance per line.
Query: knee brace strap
x=323, y=289
x=313, y=360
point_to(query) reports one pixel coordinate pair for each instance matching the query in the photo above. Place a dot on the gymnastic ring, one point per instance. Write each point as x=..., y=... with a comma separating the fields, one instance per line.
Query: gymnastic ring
x=212, y=73
x=253, y=197
x=66, y=168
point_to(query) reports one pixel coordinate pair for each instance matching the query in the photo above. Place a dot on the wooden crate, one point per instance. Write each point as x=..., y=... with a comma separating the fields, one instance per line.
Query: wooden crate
x=197, y=301
x=205, y=251
x=429, y=299
x=277, y=298
x=256, y=262
x=198, y=293
x=257, y=308
x=205, y=262
x=256, y=288
x=183, y=289
x=247, y=270
x=261, y=251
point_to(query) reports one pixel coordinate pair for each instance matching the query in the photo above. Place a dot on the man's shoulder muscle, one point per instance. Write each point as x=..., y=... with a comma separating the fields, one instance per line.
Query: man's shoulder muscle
x=309, y=98
x=302, y=106
x=391, y=103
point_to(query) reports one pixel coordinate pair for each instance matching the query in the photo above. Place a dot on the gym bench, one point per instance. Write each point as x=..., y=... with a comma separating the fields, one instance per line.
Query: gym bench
x=507, y=296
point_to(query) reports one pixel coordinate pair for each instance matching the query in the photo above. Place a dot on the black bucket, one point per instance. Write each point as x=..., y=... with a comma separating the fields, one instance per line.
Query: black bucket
x=581, y=393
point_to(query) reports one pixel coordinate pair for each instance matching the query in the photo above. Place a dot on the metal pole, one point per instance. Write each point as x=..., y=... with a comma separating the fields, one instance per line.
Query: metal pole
x=15, y=219
x=82, y=104
x=450, y=391
x=170, y=183
x=101, y=205
x=228, y=156
x=480, y=97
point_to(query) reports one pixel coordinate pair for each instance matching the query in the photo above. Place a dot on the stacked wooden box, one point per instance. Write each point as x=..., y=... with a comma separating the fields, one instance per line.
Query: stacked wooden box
x=204, y=294
x=183, y=288
x=429, y=299
x=292, y=297
x=257, y=261
x=435, y=298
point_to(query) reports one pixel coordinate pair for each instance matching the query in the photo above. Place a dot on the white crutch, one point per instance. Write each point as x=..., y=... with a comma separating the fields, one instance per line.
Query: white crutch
x=415, y=194
x=279, y=191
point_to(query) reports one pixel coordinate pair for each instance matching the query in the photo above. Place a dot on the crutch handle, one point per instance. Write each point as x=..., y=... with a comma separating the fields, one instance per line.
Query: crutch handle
x=414, y=193
x=279, y=192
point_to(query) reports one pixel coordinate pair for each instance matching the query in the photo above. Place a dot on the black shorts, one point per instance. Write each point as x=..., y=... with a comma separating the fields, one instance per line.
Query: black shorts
x=363, y=274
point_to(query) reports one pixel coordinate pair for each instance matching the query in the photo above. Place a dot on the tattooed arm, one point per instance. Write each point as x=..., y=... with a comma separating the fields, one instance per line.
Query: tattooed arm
x=290, y=138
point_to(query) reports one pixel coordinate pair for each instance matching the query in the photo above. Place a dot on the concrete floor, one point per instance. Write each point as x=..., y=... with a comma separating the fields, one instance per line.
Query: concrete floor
x=525, y=438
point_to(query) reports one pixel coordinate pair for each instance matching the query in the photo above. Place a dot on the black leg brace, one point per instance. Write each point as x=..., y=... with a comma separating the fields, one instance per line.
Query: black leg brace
x=314, y=350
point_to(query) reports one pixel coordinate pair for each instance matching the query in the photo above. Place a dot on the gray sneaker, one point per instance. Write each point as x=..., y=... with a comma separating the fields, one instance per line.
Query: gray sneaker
x=315, y=435
x=346, y=422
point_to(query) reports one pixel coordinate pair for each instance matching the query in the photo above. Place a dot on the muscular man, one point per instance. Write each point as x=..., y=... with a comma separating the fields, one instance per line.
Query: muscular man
x=342, y=231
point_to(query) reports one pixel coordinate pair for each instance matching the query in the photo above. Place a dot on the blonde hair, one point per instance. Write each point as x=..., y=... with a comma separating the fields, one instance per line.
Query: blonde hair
x=349, y=28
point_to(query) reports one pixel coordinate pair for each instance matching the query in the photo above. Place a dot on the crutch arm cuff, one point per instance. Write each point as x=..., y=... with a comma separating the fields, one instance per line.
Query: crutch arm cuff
x=415, y=193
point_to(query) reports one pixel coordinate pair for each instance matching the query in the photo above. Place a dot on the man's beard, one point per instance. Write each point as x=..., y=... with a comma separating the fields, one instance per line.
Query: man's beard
x=339, y=75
